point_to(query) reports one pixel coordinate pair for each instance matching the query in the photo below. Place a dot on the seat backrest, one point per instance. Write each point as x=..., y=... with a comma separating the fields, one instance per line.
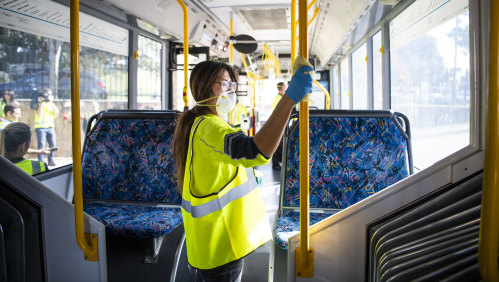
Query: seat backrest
x=353, y=154
x=128, y=156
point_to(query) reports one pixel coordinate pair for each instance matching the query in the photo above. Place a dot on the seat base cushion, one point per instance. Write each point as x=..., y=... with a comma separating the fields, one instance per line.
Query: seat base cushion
x=138, y=221
x=288, y=224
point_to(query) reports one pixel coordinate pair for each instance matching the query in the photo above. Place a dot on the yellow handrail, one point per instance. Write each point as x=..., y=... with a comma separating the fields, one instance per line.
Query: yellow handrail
x=251, y=87
x=326, y=93
x=308, y=8
x=231, y=118
x=87, y=242
x=316, y=11
x=186, y=53
x=304, y=254
x=293, y=32
x=489, y=229
x=231, y=46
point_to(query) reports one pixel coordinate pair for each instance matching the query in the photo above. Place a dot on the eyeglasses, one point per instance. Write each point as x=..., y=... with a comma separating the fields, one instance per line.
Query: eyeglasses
x=226, y=84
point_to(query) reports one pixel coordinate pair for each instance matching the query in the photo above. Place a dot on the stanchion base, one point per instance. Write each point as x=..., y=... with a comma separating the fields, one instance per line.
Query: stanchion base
x=308, y=271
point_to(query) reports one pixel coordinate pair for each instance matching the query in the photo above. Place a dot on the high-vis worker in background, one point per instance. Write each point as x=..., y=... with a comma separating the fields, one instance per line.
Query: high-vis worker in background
x=15, y=139
x=240, y=111
x=223, y=212
x=45, y=116
x=277, y=157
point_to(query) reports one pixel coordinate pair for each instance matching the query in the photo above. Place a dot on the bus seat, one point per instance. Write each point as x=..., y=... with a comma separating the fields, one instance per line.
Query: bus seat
x=128, y=174
x=353, y=154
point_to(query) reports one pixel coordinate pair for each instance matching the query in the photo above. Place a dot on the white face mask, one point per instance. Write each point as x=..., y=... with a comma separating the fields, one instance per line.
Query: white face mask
x=226, y=102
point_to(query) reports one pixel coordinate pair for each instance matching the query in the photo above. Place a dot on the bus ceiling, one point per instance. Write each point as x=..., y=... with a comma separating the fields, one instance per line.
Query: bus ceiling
x=335, y=23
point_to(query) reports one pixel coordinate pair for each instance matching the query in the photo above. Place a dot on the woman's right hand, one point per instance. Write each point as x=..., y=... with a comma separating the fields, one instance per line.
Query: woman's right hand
x=301, y=82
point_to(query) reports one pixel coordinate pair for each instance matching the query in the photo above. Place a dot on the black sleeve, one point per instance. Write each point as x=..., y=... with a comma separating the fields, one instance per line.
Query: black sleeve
x=240, y=146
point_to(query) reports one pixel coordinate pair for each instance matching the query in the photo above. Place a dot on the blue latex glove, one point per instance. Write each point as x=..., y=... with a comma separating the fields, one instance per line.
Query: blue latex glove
x=300, y=84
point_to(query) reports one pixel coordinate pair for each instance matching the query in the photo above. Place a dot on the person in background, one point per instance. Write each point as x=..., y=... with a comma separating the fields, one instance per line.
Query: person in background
x=9, y=97
x=277, y=158
x=222, y=210
x=11, y=112
x=239, y=111
x=15, y=139
x=45, y=116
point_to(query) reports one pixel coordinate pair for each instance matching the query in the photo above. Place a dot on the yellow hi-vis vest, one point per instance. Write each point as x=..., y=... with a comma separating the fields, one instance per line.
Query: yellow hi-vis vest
x=46, y=117
x=223, y=212
x=276, y=101
x=31, y=167
x=238, y=112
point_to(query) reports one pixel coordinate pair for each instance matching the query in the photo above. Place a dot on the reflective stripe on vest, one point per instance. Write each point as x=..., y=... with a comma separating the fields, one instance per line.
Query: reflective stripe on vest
x=31, y=167
x=217, y=203
x=4, y=122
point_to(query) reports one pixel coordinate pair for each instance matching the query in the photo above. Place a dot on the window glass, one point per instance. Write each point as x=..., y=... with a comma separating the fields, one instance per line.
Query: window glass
x=317, y=95
x=377, y=72
x=345, y=88
x=31, y=63
x=359, y=77
x=335, y=96
x=430, y=78
x=178, y=80
x=149, y=74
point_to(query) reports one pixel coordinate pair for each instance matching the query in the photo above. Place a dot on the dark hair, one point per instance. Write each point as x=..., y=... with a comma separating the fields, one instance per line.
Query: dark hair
x=203, y=76
x=9, y=108
x=13, y=136
x=279, y=85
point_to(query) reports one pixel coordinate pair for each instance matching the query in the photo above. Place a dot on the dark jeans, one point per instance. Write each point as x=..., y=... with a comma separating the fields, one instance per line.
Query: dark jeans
x=230, y=272
x=45, y=134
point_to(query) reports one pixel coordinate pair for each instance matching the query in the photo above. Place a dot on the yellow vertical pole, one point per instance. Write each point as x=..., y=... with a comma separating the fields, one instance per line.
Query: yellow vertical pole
x=231, y=113
x=86, y=242
x=293, y=32
x=489, y=229
x=231, y=46
x=304, y=254
x=186, y=53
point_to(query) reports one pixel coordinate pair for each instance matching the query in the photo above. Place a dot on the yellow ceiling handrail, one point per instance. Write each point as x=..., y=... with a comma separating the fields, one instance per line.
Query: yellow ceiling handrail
x=304, y=253
x=186, y=53
x=489, y=229
x=87, y=242
x=326, y=93
x=316, y=11
x=308, y=8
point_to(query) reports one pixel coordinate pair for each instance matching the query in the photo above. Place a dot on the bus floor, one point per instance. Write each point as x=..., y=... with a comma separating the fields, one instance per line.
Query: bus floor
x=125, y=256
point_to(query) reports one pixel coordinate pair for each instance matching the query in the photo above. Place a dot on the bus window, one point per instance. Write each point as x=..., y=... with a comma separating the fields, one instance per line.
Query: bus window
x=377, y=72
x=335, y=96
x=149, y=74
x=359, y=77
x=430, y=77
x=345, y=88
x=37, y=57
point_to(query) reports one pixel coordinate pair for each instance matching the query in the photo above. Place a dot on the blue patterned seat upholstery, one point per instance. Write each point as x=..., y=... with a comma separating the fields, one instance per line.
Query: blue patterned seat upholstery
x=352, y=156
x=128, y=176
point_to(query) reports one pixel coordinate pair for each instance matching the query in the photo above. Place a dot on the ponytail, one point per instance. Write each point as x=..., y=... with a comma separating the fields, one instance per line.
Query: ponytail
x=181, y=140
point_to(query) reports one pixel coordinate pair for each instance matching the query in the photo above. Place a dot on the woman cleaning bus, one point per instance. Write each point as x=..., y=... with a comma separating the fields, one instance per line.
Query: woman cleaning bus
x=223, y=213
